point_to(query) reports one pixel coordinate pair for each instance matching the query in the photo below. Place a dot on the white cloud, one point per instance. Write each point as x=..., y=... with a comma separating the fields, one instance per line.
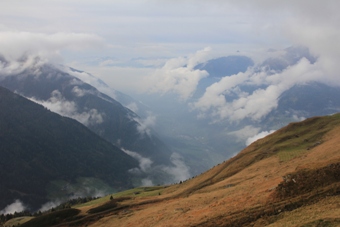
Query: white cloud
x=258, y=136
x=147, y=182
x=14, y=45
x=78, y=92
x=178, y=75
x=49, y=205
x=133, y=107
x=258, y=103
x=144, y=163
x=58, y=104
x=17, y=206
x=146, y=124
x=245, y=132
x=180, y=171
x=13, y=67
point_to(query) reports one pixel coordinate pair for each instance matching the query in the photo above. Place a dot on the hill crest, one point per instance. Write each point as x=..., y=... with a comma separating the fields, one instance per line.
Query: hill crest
x=267, y=184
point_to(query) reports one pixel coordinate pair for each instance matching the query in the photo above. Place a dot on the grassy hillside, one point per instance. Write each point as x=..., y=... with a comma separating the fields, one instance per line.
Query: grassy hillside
x=289, y=178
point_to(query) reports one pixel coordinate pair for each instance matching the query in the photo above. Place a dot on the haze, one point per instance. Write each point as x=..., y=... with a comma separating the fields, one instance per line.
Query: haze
x=150, y=49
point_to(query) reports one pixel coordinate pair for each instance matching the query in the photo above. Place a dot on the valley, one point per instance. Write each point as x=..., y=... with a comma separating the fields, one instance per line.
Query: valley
x=288, y=178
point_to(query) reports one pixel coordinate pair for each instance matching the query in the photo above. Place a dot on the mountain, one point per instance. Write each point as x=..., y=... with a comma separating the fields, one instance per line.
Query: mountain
x=240, y=100
x=46, y=157
x=289, y=178
x=291, y=56
x=219, y=68
x=226, y=66
x=134, y=105
x=59, y=90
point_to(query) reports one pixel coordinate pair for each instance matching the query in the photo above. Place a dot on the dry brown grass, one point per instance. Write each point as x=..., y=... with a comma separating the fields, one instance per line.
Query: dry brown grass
x=242, y=191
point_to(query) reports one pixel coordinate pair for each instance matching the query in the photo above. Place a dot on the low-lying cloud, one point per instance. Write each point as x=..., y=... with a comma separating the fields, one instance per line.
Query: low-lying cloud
x=146, y=124
x=244, y=133
x=58, y=104
x=14, y=45
x=178, y=171
x=261, y=135
x=144, y=163
x=256, y=104
x=178, y=75
x=92, y=80
x=16, y=206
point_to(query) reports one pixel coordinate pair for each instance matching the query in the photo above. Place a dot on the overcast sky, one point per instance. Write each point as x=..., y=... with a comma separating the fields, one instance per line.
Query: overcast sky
x=123, y=41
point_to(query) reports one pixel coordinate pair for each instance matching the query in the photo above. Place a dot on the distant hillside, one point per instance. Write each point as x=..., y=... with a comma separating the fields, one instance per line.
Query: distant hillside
x=289, y=178
x=42, y=152
x=69, y=96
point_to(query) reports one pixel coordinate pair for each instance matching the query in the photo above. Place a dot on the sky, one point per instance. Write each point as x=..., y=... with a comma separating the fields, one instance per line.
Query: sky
x=142, y=45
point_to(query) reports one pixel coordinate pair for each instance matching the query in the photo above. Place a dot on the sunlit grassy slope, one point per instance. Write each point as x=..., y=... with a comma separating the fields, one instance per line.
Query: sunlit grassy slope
x=289, y=178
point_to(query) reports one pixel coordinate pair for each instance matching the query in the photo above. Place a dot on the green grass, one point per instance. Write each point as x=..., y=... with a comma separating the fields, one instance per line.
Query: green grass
x=17, y=221
x=135, y=192
x=299, y=138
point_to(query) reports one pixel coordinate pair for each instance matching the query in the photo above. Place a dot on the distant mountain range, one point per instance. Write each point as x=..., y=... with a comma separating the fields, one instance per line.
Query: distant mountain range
x=212, y=138
x=192, y=141
x=43, y=156
x=64, y=91
x=69, y=96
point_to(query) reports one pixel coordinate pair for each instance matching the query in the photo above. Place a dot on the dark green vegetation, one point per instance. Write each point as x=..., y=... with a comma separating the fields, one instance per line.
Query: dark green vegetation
x=101, y=114
x=38, y=147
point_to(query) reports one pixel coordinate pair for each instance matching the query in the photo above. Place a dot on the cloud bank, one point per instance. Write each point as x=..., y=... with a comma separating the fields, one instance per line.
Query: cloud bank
x=256, y=104
x=178, y=171
x=146, y=124
x=58, y=104
x=178, y=75
x=14, y=45
x=16, y=206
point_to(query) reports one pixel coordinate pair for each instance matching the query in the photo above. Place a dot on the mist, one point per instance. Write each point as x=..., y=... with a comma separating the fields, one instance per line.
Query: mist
x=176, y=172
x=16, y=206
x=60, y=105
x=151, y=52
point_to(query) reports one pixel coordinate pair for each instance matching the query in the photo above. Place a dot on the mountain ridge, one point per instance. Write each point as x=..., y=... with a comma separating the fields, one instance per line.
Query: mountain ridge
x=61, y=92
x=38, y=147
x=290, y=177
